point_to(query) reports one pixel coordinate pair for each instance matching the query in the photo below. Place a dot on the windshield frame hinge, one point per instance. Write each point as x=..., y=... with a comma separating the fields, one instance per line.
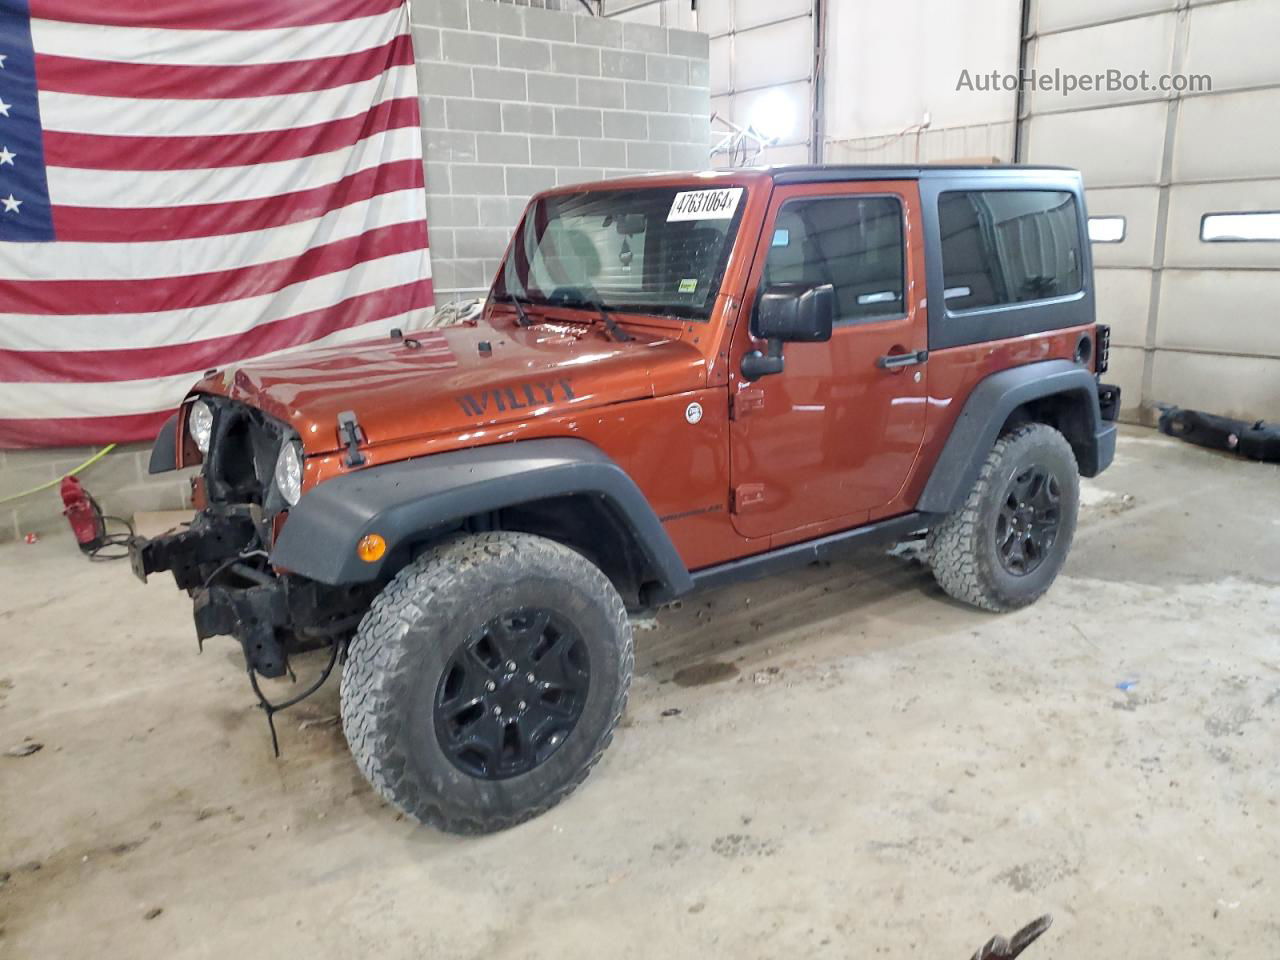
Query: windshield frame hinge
x=351, y=435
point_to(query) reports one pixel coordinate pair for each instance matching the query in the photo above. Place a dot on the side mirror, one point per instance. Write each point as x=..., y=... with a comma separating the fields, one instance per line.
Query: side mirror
x=789, y=313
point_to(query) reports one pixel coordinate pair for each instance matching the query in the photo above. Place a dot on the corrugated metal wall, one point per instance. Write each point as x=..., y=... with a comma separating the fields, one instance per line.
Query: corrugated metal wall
x=763, y=50
x=759, y=48
x=1194, y=322
x=892, y=79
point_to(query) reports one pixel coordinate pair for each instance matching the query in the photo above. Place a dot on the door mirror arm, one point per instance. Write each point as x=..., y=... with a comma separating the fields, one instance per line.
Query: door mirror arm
x=756, y=364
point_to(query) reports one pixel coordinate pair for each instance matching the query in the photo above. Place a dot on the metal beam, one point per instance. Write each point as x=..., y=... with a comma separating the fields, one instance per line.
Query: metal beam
x=1146, y=396
x=734, y=91
x=733, y=32
x=1020, y=99
x=817, y=84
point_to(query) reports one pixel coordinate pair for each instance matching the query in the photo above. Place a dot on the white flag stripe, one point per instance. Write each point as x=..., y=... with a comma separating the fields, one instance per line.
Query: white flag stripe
x=70, y=186
x=214, y=47
x=44, y=400
x=121, y=117
x=191, y=325
x=182, y=258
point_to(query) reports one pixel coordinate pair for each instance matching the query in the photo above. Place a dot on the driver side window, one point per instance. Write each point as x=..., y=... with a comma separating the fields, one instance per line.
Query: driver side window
x=853, y=243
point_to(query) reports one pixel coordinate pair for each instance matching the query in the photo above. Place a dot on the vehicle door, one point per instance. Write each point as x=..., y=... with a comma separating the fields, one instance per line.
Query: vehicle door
x=834, y=435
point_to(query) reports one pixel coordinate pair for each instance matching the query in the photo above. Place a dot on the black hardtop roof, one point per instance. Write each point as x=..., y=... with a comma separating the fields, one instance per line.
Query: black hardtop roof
x=834, y=173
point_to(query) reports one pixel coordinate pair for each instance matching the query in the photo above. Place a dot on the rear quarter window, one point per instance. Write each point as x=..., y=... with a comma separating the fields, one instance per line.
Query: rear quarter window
x=1008, y=246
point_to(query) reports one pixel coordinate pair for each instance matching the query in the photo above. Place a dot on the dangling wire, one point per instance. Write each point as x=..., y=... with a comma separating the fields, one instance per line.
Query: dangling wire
x=272, y=709
x=120, y=540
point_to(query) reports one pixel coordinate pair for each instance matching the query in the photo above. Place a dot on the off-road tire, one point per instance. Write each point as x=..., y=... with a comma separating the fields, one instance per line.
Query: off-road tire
x=404, y=643
x=962, y=548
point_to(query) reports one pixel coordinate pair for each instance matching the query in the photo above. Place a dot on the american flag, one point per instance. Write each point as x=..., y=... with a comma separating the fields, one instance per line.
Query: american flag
x=189, y=183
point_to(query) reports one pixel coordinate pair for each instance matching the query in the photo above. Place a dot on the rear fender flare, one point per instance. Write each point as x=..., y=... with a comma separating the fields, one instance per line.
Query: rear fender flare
x=988, y=409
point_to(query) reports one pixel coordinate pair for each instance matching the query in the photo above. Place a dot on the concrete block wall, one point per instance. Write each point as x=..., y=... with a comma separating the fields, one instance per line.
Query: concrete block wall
x=568, y=6
x=517, y=99
x=119, y=482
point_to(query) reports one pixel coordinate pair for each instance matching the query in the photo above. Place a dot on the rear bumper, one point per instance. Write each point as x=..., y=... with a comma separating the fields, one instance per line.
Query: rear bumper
x=1106, y=445
x=1109, y=401
x=1105, y=436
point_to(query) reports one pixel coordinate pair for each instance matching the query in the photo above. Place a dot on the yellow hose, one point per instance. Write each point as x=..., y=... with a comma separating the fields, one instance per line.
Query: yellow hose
x=70, y=473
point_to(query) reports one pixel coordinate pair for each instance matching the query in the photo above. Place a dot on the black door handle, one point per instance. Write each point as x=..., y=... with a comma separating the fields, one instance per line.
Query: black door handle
x=893, y=361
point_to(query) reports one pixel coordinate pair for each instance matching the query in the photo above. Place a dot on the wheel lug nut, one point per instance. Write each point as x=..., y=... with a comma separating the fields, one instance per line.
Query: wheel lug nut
x=530, y=678
x=521, y=705
x=491, y=686
x=497, y=711
x=511, y=666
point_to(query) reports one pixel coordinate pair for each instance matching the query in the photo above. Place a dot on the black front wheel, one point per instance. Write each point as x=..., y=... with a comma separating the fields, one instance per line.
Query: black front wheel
x=512, y=693
x=486, y=680
x=1004, y=547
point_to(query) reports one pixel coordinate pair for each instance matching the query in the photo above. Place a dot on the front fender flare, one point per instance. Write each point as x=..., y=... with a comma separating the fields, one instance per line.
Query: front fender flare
x=403, y=501
x=164, y=452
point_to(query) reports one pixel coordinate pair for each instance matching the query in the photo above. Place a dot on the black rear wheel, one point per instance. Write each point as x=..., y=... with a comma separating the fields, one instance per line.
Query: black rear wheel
x=1029, y=520
x=1004, y=547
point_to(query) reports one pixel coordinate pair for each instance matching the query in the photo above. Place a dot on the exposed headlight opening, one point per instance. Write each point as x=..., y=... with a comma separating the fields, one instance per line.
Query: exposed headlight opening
x=200, y=425
x=288, y=473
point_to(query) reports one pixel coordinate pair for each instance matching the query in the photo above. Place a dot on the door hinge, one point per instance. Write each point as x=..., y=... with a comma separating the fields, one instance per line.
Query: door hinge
x=744, y=496
x=744, y=401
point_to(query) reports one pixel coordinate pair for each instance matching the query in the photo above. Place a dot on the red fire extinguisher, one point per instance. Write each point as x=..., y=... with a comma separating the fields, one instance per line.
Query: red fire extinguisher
x=82, y=511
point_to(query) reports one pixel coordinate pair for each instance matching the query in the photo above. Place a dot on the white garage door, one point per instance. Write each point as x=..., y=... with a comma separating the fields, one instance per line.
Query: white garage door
x=1191, y=294
x=761, y=68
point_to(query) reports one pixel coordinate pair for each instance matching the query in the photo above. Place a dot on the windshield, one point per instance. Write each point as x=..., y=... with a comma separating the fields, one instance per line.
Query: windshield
x=657, y=250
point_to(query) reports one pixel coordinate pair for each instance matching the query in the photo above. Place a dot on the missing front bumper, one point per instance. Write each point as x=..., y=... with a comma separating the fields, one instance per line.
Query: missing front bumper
x=195, y=552
x=271, y=615
x=207, y=559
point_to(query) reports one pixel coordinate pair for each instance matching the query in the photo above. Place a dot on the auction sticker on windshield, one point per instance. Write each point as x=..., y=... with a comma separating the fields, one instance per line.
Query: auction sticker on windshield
x=705, y=204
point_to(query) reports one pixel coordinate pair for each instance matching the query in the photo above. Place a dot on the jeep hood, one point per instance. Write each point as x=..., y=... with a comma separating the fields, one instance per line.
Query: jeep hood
x=448, y=382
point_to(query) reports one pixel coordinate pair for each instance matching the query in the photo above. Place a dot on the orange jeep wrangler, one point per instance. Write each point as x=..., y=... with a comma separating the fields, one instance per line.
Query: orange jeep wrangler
x=677, y=381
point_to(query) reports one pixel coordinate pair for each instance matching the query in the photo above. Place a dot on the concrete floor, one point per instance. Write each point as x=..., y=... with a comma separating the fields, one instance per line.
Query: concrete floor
x=839, y=762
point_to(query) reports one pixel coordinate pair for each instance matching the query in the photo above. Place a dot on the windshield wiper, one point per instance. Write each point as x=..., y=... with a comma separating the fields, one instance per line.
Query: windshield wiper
x=610, y=324
x=521, y=313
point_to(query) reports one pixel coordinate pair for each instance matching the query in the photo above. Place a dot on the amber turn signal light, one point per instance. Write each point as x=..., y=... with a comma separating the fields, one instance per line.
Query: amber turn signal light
x=371, y=548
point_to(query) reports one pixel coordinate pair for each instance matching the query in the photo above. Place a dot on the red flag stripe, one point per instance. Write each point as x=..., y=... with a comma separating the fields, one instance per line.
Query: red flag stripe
x=69, y=366
x=91, y=152
x=80, y=431
x=106, y=297
x=223, y=15
x=152, y=81
x=145, y=224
